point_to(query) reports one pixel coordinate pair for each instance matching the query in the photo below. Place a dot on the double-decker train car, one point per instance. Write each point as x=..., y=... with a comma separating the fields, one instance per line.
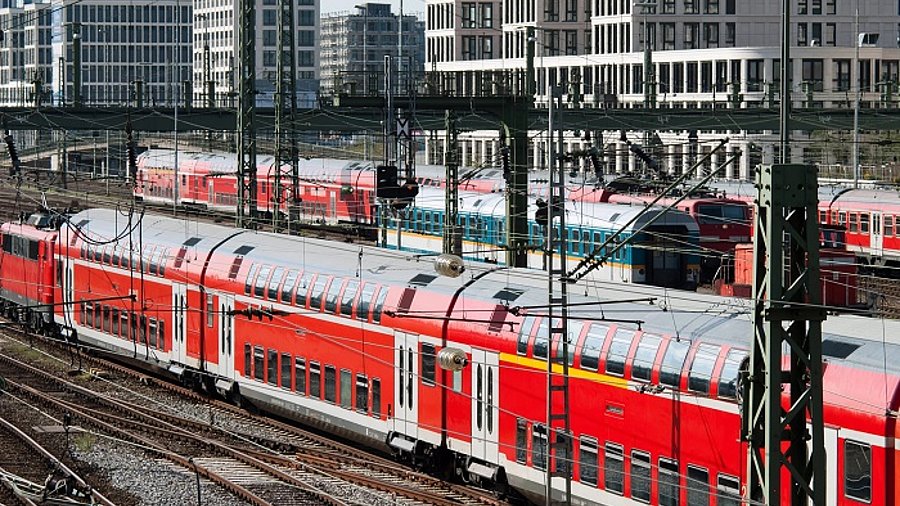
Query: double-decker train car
x=665, y=253
x=451, y=372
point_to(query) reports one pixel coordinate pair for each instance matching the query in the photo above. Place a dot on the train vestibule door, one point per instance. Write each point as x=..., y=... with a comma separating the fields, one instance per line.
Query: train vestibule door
x=406, y=391
x=226, y=336
x=877, y=240
x=485, y=405
x=179, y=327
x=68, y=289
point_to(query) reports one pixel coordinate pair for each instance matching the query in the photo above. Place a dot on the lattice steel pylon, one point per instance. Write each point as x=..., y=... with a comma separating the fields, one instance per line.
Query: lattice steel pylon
x=452, y=239
x=787, y=298
x=246, y=170
x=286, y=162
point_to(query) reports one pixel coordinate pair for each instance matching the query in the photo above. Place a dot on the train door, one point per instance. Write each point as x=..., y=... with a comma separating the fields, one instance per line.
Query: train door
x=68, y=290
x=179, y=329
x=212, y=193
x=226, y=336
x=485, y=405
x=406, y=391
x=831, y=466
x=332, y=205
x=877, y=234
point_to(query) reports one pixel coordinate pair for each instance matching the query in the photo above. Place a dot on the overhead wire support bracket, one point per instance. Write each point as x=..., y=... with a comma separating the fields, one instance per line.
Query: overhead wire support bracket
x=591, y=262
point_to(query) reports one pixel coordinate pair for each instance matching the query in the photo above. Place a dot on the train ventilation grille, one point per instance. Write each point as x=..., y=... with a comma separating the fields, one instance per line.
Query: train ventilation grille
x=243, y=250
x=193, y=241
x=509, y=294
x=422, y=279
x=838, y=349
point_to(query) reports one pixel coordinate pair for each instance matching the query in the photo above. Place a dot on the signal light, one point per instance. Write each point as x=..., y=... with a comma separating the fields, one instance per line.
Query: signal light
x=542, y=214
x=131, y=150
x=386, y=183
x=13, y=154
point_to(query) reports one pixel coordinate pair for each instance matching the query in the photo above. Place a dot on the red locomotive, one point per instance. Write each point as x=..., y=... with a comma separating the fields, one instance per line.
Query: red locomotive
x=447, y=372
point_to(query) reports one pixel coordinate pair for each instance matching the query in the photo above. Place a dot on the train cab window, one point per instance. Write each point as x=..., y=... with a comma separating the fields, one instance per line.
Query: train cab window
x=259, y=359
x=330, y=383
x=272, y=367
x=587, y=461
x=728, y=491
x=362, y=393
x=614, y=468
x=248, y=360
x=669, y=492
x=347, y=297
x=524, y=335
x=261, y=280
x=379, y=305
x=346, y=389
x=618, y=351
x=317, y=291
x=697, y=486
x=376, y=397
x=673, y=362
x=286, y=364
x=593, y=345
x=277, y=274
x=428, y=357
x=287, y=289
x=888, y=225
x=315, y=380
x=331, y=300
x=640, y=476
x=728, y=379
x=645, y=357
x=857, y=471
x=364, y=301
x=539, y=446
x=300, y=375
x=702, y=368
x=301, y=293
x=251, y=277
x=521, y=441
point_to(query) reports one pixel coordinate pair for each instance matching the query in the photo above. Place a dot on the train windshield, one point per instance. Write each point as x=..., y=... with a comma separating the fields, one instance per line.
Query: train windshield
x=711, y=214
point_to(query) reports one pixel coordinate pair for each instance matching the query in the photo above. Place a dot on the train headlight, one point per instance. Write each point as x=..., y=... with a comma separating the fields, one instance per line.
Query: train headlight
x=452, y=359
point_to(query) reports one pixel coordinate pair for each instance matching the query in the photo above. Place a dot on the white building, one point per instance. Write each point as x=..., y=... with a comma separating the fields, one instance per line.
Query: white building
x=216, y=25
x=706, y=53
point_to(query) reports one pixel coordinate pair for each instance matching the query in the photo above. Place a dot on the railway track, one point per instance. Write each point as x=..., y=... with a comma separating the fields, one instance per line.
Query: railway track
x=260, y=460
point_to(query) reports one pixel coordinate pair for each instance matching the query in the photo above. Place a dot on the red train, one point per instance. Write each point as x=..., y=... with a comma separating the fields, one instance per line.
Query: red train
x=363, y=343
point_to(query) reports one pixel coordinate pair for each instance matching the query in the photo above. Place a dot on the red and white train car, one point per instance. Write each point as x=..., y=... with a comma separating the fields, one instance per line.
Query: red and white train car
x=28, y=270
x=871, y=219
x=352, y=340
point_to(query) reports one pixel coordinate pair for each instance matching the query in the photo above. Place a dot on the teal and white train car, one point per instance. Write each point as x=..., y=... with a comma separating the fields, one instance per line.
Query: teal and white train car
x=667, y=253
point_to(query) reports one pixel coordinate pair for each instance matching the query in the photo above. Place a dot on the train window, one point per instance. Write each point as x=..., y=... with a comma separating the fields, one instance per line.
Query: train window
x=115, y=257
x=542, y=339
x=315, y=380
x=645, y=357
x=210, y=310
x=728, y=491
x=854, y=226
x=123, y=324
x=142, y=331
x=673, y=362
x=697, y=486
x=669, y=492
x=346, y=389
x=864, y=223
x=728, y=379
x=248, y=359
x=586, y=242
x=538, y=446
x=264, y=272
x=330, y=383
x=521, y=441
x=98, y=316
x=593, y=345
x=277, y=275
x=106, y=322
x=823, y=216
x=857, y=471
x=362, y=393
x=735, y=213
x=161, y=334
x=614, y=468
x=88, y=318
x=428, y=356
x=287, y=289
x=702, y=368
x=524, y=335
x=347, y=298
x=888, y=225
x=562, y=457
x=575, y=241
x=251, y=277
x=286, y=364
x=376, y=397
x=618, y=351
x=302, y=291
x=379, y=305
x=587, y=463
x=457, y=381
x=318, y=289
x=107, y=258
x=331, y=300
x=640, y=476
x=259, y=358
x=300, y=375
x=573, y=332
x=363, y=302
x=272, y=367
